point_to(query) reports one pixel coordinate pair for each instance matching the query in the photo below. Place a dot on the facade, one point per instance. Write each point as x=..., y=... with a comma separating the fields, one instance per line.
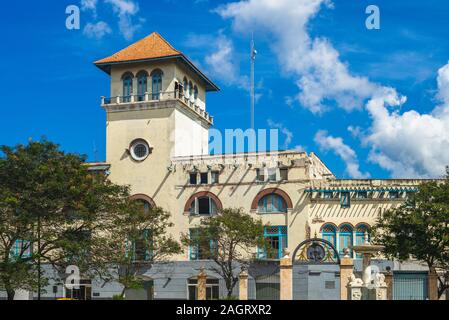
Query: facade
x=157, y=142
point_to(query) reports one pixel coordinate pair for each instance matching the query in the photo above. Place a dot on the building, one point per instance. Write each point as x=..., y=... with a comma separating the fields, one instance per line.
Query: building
x=157, y=142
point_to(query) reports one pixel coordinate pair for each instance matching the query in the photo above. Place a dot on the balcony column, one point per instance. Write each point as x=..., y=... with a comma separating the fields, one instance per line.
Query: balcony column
x=147, y=95
x=102, y=100
x=117, y=100
x=131, y=98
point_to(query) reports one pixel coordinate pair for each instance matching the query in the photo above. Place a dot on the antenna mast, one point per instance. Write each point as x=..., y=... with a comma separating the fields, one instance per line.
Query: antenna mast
x=95, y=152
x=252, y=93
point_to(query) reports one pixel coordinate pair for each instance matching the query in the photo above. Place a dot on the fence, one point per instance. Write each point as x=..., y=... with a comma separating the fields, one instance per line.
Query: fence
x=410, y=286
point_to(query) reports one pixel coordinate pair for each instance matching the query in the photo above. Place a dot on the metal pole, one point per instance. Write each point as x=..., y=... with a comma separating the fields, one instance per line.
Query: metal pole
x=252, y=93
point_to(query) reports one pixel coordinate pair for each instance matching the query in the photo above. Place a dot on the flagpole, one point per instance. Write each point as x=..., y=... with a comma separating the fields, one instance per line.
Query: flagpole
x=252, y=93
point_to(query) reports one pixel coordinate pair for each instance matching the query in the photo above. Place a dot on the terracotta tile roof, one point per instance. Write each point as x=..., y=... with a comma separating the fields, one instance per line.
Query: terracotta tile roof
x=151, y=47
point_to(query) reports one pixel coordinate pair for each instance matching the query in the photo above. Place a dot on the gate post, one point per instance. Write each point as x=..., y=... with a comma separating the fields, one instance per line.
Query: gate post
x=243, y=285
x=286, y=278
x=389, y=282
x=202, y=277
x=346, y=270
x=433, y=285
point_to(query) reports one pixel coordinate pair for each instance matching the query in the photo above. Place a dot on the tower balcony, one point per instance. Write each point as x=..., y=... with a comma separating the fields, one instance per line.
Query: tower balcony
x=153, y=100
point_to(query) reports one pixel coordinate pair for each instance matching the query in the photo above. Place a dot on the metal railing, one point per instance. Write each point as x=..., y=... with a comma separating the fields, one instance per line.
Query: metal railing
x=156, y=97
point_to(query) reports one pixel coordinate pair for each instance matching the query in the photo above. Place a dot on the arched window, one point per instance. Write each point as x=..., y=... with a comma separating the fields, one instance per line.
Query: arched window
x=142, y=85
x=146, y=206
x=127, y=87
x=329, y=233
x=272, y=203
x=195, y=93
x=203, y=203
x=141, y=247
x=186, y=87
x=361, y=236
x=203, y=206
x=191, y=90
x=147, y=202
x=156, y=76
x=345, y=239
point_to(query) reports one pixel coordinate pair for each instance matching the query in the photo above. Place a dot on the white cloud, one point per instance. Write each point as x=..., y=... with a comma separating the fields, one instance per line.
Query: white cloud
x=411, y=144
x=347, y=154
x=126, y=10
x=285, y=131
x=97, y=30
x=91, y=5
x=315, y=64
x=222, y=62
x=300, y=148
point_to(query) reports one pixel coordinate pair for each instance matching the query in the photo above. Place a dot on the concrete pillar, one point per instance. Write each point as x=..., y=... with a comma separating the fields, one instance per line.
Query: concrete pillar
x=389, y=282
x=243, y=285
x=286, y=278
x=346, y=270
x=202, y=277
x=433, y=285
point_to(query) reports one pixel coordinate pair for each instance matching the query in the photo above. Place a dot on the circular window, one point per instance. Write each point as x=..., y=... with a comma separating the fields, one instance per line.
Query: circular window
x=140, y=150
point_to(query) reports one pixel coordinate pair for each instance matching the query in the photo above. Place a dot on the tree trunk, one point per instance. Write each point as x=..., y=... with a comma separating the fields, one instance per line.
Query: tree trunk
x=10, y=292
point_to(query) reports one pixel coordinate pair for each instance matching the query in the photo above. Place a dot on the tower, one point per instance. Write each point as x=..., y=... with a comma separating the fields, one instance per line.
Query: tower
x=156, y=110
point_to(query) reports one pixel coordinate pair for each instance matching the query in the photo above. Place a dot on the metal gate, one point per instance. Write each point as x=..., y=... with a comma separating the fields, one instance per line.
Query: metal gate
x=268, y=287
x=316, y=271
x=410, y=286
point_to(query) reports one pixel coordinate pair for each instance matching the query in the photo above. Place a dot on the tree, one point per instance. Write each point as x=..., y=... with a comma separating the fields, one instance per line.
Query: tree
x=139, y=240
x=51, y=212
x=420, y=229
x=230, y=240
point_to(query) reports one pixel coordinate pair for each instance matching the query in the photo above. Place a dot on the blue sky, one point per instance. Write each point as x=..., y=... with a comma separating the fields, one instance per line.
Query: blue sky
x=331, y=85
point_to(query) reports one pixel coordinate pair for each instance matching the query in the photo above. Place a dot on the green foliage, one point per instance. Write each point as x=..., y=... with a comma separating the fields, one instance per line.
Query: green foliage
x=235, y=236
x=419, y=228
x=133, y=225
x=70, y=216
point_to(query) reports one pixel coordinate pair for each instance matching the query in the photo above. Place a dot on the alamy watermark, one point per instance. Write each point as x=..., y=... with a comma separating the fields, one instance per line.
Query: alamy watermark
x=73, y=279
x=372, y=22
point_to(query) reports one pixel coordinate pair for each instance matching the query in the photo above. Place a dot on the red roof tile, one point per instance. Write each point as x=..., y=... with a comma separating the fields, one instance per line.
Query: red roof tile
x=151, y=47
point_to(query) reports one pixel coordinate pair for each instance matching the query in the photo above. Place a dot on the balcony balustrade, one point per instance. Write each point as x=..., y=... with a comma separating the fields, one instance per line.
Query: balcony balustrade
x=157, y=97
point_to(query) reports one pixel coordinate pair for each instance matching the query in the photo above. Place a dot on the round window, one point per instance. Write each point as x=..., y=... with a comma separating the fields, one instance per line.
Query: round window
x=140, y=150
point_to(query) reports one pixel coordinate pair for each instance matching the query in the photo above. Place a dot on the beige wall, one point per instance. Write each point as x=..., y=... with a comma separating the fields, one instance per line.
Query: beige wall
x=179, y=138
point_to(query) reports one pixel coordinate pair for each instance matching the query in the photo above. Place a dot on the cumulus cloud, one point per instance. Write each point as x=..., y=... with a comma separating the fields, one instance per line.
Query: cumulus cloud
x=410, y=144
x=285, y=131
x=97, y=30
x=328, y=143
x=89, y=5
x=315, y=64
x=222, y=62
x=126, y=11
